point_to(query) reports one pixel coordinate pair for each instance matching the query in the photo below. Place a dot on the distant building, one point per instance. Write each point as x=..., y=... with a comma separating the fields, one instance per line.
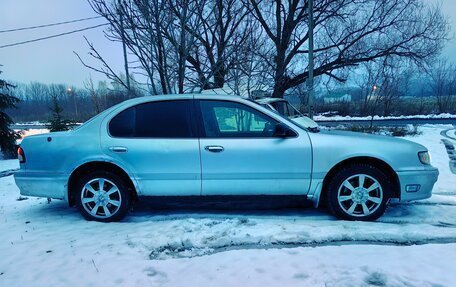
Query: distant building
x=337, y=97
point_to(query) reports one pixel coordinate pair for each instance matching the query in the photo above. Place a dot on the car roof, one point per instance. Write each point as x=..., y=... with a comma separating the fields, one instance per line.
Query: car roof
x=146, y=99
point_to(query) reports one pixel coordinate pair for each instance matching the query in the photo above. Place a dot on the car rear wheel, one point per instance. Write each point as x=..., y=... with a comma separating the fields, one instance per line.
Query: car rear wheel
x=102, y=196
x=359, y=192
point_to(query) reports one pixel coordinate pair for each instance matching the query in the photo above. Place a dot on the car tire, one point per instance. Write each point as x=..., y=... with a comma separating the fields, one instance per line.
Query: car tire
x=359, y=192
x=109, y=203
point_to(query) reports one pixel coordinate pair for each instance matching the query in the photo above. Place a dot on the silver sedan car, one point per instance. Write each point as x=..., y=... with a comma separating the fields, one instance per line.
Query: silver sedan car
x=212, y=145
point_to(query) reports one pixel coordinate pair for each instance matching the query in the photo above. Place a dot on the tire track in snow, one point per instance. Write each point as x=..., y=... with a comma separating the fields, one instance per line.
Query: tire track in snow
x=450, y=133
x=448, y=142
x=167, y=252
x=8, y=172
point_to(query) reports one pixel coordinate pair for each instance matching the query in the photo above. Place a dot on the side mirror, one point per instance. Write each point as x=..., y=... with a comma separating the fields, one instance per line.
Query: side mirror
x=282, y=131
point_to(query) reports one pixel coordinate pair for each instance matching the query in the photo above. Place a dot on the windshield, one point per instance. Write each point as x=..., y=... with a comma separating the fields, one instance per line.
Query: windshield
x=286, y=109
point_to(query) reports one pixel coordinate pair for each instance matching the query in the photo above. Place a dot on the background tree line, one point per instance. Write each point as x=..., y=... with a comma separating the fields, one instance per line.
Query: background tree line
x=393, y=87
x=390, y=87
x=40, y=102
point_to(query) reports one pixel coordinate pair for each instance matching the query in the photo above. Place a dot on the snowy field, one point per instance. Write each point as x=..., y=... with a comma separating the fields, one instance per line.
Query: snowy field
x=413, y=244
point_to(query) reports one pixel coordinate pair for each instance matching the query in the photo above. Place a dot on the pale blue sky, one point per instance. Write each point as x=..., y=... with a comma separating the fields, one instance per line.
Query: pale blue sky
x=53, y=61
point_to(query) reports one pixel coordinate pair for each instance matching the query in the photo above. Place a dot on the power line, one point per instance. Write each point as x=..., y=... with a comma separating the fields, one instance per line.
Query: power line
x=52, y=36
x=49, y=25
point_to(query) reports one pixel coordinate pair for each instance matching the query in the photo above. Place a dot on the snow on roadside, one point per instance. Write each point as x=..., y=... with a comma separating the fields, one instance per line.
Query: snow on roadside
x=432, y=139
x=9, y=164
x=336, y=118
x=30, y=132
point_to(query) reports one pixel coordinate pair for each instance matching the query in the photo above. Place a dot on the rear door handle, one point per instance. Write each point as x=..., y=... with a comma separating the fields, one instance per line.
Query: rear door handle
x=214, y=148
x=118, y=149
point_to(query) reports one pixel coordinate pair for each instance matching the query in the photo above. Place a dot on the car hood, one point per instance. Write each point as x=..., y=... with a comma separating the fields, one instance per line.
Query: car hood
x=304, y=122
x=332, y=147
x=364, y=138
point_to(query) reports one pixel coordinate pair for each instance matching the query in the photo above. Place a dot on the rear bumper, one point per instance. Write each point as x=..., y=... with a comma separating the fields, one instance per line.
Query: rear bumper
x=423, y=180
x=48, y=185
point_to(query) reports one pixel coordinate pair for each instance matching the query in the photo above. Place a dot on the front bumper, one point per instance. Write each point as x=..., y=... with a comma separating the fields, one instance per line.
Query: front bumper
x=423, y=179
x=42, y=184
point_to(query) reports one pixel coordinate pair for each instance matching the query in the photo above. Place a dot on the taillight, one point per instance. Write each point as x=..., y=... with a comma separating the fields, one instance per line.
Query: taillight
x=21, y=155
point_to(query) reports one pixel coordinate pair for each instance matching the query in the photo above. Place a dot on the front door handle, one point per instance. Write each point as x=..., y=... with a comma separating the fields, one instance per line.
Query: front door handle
x=118, y=149
x=214, y=148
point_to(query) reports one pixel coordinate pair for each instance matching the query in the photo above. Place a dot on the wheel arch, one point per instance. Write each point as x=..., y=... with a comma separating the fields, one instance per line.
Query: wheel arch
x=97, y=166
x=382, y=165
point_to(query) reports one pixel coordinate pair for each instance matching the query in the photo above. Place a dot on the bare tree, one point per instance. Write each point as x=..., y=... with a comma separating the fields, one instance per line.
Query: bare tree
x=249, y=71
x=183, y=16
x=105, y=68
x=394, y=82
x=176, y=41
x=132, y=24
x=222, y=32
x=443, y=84
x=93, y=94
x=368, y=83
x=347, y=33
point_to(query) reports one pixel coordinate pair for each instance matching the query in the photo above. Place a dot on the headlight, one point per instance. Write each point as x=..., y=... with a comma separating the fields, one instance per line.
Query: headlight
x=424, y=157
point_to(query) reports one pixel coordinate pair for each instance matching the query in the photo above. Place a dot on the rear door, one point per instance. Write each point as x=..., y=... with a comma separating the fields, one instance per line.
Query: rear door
x=241, y=156
x=158, y=143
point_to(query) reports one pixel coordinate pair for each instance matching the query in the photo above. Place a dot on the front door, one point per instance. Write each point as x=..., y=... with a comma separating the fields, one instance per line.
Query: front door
x=241, y=156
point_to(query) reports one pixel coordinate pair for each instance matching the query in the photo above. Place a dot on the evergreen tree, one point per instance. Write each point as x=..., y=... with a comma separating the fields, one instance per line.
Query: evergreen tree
x=57, y=123
x=8, y=136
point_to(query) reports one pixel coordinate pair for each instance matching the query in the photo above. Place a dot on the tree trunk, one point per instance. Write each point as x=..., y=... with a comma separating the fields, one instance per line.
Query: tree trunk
x=280, y=85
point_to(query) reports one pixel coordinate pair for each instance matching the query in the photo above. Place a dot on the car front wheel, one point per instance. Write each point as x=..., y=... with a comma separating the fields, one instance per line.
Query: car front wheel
x=102, y=196
x=359, y=192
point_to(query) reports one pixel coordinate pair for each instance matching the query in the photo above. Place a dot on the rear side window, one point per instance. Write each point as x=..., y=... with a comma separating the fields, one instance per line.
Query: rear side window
x=166, y=119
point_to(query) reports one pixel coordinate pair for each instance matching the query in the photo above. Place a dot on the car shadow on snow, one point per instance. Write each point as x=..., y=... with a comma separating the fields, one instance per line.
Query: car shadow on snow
x=161, y=208
x=168, y=208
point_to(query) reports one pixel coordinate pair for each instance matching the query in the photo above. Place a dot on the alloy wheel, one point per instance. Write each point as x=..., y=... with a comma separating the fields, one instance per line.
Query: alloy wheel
x=360, y=195
x=101, y=198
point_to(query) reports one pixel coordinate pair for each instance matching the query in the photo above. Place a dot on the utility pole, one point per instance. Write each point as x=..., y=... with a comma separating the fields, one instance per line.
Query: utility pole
x=124, y=46
x=71, y=92
x=310, y=80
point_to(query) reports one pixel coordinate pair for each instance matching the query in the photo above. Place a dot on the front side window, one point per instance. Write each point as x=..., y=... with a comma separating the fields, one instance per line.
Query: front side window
x=166, y=119
x=231, y=119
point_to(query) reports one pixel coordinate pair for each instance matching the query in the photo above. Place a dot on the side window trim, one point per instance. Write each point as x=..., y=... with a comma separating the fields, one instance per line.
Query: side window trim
x=199, y=119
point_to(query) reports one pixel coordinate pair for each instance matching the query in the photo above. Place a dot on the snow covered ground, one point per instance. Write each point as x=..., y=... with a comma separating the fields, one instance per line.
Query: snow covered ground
x=413, y=244
x=325, y=117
